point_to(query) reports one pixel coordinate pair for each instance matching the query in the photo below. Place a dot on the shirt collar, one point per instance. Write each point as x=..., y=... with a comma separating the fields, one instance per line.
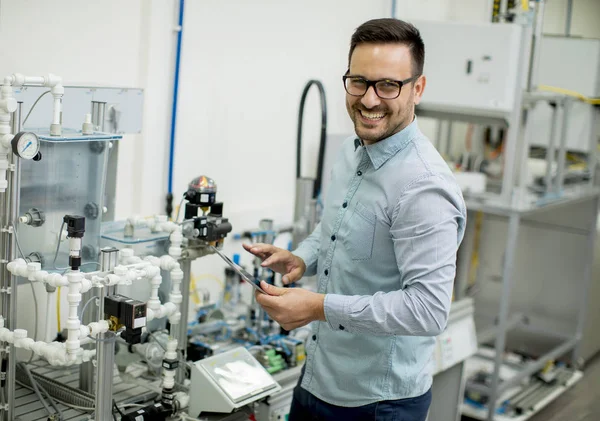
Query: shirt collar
x=383, y=150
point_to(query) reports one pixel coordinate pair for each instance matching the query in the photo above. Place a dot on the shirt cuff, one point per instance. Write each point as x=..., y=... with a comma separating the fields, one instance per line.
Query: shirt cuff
x=336, y=311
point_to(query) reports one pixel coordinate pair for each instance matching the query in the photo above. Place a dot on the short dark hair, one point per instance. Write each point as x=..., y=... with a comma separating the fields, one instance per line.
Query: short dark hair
x=391, y=31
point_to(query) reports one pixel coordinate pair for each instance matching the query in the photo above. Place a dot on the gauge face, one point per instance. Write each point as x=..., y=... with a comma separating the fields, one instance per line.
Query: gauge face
x=26, y=145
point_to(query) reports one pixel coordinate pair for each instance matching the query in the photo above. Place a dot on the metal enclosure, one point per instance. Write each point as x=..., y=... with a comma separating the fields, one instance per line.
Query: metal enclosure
x=69, y=179
x=484, y=71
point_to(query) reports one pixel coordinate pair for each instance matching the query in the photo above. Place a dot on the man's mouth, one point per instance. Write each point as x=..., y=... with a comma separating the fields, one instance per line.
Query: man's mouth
x=371, y=116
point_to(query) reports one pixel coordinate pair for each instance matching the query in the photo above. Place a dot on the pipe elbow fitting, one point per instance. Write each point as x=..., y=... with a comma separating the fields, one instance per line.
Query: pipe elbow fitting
x=170, y=308
x=15, y=265
x=86, y=285
x=152, y=271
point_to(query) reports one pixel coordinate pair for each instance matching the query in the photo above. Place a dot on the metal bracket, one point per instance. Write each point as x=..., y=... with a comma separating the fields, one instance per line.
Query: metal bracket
x=6, y=290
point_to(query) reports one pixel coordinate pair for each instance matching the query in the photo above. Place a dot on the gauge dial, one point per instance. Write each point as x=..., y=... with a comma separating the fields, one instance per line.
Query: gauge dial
x=26, y=145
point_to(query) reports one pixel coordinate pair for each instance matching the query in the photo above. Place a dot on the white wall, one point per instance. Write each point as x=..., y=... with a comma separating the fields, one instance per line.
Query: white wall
x=244, y=67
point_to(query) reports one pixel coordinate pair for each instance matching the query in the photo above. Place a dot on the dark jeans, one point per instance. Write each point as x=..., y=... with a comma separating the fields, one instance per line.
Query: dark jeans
x=307, y=407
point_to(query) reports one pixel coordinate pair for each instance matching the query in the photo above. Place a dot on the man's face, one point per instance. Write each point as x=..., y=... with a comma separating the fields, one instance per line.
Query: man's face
x=375, y=118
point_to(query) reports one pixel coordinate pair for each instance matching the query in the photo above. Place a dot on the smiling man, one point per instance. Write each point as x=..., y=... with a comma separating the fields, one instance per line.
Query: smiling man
x=384, y=251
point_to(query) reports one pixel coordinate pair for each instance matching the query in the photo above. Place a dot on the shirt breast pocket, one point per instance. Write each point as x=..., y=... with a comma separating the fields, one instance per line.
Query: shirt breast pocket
x=361, y=233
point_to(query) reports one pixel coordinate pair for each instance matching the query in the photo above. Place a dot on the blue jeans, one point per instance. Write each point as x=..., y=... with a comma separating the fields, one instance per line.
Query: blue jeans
x=307, y=407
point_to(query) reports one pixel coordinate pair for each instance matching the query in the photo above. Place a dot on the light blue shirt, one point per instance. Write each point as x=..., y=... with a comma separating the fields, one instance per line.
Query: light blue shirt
x=385, y=255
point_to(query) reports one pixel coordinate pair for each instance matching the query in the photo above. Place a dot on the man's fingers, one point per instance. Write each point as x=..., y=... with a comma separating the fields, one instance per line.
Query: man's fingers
x=274, y=258
x=291, y=277
x=272, y=289
x=262, y=248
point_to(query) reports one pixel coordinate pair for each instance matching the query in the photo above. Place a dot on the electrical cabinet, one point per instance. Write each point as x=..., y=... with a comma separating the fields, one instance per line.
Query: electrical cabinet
x=473, y=66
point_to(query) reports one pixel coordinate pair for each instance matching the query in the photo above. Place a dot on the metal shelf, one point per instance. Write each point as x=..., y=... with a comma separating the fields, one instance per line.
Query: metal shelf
x=528, y=204
x=464, y=114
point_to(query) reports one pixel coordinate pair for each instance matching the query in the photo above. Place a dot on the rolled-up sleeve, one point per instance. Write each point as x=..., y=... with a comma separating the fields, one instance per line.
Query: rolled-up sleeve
x=308, y=250
x=427, y=228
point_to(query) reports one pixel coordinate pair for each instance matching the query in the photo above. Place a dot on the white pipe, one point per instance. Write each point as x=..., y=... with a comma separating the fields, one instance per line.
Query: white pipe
x=49, y=304
x=154, y=301
x=33, y=272
x=18, y=80
x=176, y=238
x=8, y=105
x=55, y=353
x=57, y=92
x=73, y=323
x=160, y=223
x=175, y=297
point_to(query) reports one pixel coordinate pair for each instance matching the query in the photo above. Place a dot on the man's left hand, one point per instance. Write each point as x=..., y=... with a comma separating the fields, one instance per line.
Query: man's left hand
x=291, y=307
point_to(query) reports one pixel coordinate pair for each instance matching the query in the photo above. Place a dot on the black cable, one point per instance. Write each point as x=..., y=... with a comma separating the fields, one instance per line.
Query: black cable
x=321, y=158
x=118, y=410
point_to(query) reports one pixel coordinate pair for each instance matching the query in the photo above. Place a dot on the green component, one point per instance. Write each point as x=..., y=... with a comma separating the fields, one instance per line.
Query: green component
x=272, y=370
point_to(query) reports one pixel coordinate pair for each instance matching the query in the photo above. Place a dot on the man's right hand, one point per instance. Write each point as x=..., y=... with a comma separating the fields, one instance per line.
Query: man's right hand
x=279, y=260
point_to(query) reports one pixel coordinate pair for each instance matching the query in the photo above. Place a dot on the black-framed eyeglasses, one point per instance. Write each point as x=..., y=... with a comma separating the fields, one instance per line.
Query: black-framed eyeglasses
x=384, y=88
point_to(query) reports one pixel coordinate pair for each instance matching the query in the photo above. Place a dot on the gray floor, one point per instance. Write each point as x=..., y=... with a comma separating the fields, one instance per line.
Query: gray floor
x=579, y=403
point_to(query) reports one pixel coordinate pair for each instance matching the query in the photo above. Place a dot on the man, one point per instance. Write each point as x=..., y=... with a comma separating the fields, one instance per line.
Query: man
x=384, y=252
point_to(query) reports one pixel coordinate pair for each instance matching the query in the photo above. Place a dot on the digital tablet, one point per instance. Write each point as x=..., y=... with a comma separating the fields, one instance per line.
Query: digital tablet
x=240, y=271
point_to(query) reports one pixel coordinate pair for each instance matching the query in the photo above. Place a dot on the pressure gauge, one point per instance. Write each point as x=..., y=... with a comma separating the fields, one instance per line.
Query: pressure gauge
x=26, y=145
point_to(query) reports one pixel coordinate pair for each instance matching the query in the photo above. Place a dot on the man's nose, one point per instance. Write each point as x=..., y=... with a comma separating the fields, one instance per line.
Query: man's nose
x=370, y=98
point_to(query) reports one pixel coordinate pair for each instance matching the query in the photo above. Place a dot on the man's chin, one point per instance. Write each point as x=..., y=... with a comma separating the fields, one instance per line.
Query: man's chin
x=369, y=135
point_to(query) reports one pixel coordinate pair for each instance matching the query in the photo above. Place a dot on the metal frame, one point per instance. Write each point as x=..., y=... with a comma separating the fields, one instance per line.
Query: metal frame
x=512, y=203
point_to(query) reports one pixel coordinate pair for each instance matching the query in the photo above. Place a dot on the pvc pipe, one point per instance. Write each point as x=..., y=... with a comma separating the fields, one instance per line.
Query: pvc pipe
x=73, y=323
x=51, y=297
x=18, y=80
x=31, y=271
x=55, y=353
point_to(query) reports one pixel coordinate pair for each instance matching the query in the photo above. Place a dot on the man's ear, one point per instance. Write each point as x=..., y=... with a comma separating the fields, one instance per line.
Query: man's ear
x=419, y=88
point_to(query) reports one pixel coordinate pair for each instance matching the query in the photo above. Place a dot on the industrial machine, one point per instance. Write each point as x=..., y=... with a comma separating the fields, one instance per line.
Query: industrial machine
x=53, y=192
x=518, y=125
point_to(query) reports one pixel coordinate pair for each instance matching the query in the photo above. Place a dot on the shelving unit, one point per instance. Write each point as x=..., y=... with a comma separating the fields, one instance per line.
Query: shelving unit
x=515, y=201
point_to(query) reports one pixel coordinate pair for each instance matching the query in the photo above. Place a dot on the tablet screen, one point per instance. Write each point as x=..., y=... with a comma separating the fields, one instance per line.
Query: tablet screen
x=240, y=270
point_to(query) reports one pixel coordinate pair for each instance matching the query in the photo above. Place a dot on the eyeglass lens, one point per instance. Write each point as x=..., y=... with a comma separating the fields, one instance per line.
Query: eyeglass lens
x=384, y=89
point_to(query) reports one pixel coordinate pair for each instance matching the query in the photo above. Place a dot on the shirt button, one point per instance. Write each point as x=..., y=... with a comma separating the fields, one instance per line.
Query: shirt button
x=314, y=337
x=326, y=272
x=342, y=327
x=359, y=173
x=333, y=238
x=345, y=205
